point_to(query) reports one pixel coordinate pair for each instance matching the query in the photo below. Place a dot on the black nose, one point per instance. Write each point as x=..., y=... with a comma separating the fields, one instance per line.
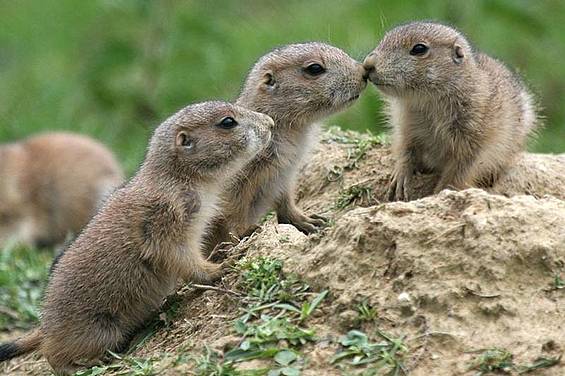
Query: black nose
x=368, y=71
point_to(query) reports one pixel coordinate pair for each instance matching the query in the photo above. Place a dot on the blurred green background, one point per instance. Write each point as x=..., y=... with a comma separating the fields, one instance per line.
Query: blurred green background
x=115, y=69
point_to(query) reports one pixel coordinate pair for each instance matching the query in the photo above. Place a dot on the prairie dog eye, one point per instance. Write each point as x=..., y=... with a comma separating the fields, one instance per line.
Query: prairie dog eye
x=314, y=69
x=227, y=123
x=419, y=49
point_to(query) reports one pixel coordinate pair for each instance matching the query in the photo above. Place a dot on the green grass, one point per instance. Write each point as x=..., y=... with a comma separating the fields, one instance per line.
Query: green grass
x=23, y=276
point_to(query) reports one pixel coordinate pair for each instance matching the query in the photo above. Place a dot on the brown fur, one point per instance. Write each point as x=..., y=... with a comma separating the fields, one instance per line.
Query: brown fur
x=51, y=185
x=454, y=111
x=146, y=237
x=279, y=86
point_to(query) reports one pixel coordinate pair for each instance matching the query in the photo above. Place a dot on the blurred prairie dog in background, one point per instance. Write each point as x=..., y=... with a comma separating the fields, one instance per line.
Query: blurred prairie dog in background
x=454, y=110
x=145, y=238
x=51, y=185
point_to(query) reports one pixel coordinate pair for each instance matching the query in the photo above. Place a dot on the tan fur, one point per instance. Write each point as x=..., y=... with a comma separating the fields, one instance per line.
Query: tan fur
x=146, y=237
x=279, y=86
x=463, y=117
x=51, y=185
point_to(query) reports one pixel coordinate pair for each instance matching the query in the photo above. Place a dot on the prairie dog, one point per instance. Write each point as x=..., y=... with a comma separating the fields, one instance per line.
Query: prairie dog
x=51, y=185
x=454, y=110
x=145, y=238
x=296, y=85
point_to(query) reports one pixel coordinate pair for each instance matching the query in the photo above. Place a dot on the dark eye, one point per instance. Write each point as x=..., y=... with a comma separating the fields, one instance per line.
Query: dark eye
x=227, y=123
x=419, y=49
x=314, y=69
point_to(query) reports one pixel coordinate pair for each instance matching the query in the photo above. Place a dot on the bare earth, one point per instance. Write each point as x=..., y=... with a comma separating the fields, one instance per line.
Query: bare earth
x=473, y=270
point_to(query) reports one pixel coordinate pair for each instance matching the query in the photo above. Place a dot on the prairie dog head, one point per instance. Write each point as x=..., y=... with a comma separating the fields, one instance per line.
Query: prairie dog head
x=419, y=58
x=303, y=81
x=208, y=140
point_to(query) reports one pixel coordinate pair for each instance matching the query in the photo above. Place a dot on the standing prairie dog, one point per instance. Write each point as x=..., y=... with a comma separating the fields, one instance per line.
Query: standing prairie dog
x=146, y=237
x=51, y=185
x=296, y=85
x=454, y=110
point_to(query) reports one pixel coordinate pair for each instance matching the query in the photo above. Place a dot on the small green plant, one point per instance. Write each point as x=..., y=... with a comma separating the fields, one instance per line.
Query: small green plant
x=284, y=239
x=361, y=146
x=385, y=356
x=309, y=307
x=492, y=360
x=261, y=278
x=273, y=324
x=267, y=217
x=97, y=370
x=558, y=282
x=539, y=363
x=288, y=361
x=211, y=364
x=261, y=341
x=501, y=360
x=366, y=312
x=354, y=195
x=268, y=289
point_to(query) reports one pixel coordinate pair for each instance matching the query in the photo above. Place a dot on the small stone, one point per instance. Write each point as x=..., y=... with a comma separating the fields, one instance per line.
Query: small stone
x=224, y=343
x=348, y=319
x=404, y=298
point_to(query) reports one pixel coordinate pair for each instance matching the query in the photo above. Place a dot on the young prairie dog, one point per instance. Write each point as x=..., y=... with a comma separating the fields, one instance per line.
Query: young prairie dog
x=454, y=111
x=146, y=237
x=296, y=85
x=51, y=185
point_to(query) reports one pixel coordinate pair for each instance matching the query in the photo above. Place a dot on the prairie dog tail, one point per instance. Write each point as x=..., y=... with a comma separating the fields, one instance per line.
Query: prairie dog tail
x=21, y=346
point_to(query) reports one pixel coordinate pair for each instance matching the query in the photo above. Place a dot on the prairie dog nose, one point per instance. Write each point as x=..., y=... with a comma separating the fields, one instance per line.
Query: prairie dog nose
x=369, y=62
x=270, y=122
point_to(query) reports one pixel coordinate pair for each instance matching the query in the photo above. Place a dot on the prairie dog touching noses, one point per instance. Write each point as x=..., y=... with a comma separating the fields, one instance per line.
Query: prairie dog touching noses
x=296, y=85
x=454, y=111
x=145, y=238
x=51, y=185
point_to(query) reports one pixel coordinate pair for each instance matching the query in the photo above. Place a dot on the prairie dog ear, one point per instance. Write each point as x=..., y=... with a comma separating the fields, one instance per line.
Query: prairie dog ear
x=458, y=54
x=268, y=81
x=183, y=140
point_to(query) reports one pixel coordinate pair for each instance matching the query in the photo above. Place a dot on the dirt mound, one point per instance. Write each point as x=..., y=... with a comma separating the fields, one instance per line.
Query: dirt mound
x=472, y=267
x=452, y=275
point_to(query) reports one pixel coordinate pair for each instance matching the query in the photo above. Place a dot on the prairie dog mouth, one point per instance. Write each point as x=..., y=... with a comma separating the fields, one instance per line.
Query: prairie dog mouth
x=347, y=101
x=376, y=80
